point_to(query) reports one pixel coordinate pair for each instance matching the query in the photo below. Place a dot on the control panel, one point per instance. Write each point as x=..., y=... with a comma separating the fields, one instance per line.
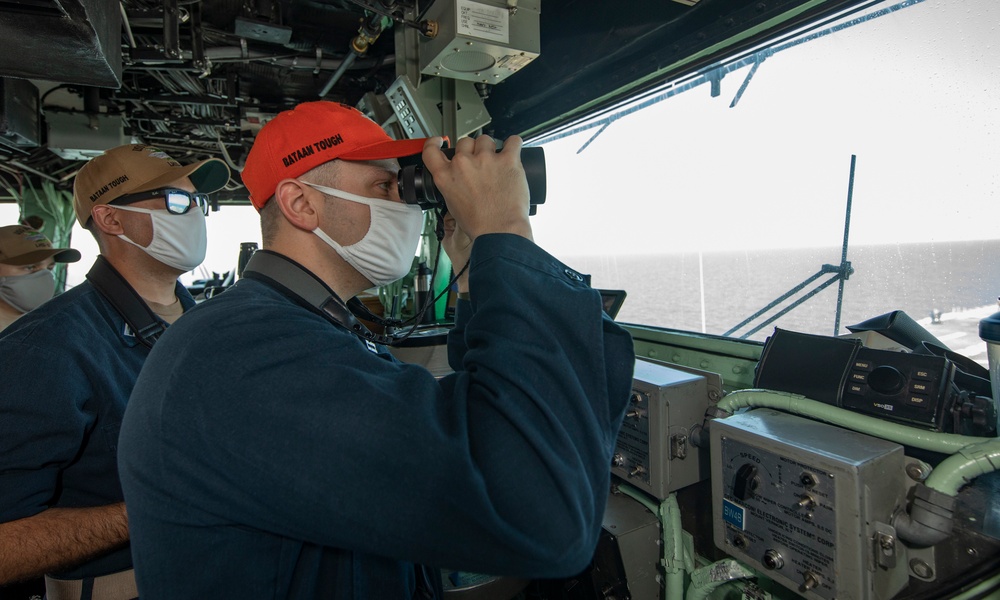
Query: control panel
x=654, y=451
x=913, y=389
x=910, y=388
x=416, y=109
x=809, y=504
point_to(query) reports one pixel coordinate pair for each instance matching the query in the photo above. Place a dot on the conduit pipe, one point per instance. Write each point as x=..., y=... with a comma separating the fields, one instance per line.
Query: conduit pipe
x=675, y=562
x=225, y=155
x=930, y=518
x=370, y=29
x=706, y=579
x=944, y=443
x=673, y=547
x=339, y=73
x=961, y=468
x=221, y=54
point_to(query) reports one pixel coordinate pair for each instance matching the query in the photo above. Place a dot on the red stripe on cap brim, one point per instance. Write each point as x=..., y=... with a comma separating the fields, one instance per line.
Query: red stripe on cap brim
x=386, y=149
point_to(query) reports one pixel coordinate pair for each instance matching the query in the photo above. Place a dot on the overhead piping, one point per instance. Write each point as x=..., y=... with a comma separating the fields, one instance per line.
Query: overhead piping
x=368, y=33
x=128, y=27
x=945, y=443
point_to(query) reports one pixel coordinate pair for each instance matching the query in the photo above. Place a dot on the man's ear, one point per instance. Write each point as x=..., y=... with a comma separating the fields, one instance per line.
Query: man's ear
x=298, y=203
x=106, y=220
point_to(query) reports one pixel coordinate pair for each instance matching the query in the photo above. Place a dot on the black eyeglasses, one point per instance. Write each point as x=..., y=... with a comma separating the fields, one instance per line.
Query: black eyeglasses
x=178, y=202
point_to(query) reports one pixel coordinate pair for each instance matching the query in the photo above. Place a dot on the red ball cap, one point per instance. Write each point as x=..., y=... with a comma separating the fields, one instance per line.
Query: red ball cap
x=311, y=134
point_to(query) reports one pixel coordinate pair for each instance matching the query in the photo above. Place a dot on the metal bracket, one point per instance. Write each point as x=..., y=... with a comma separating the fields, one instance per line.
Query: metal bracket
x=198, y=41
x=758, y=59
x=678, y=446
x=171, y=29
x=885, y=546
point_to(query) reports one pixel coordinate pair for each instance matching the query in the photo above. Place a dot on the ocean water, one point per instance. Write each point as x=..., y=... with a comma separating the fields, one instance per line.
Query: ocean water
x=669, y=290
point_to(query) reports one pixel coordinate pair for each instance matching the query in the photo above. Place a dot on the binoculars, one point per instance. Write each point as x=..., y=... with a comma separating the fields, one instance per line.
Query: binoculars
x=416, y=186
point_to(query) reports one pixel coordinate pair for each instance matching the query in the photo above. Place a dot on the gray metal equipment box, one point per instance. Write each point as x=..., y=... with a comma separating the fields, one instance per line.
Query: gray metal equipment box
x=78, y=136
x=482, y=41
x=809, y=504
x=654, y=451
x=19, y=113
x=418, y=113
x=635, y=533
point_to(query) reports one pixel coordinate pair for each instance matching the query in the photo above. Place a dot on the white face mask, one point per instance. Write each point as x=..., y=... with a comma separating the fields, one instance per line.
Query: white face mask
x=386, y=252
x=179, y=241
x=28, y=292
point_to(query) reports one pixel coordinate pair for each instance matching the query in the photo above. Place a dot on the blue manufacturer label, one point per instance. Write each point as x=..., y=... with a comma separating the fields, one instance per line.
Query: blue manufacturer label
x=734, y=514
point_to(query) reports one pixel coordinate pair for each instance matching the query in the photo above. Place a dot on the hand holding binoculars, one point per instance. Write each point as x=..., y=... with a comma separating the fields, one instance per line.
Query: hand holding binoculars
x=416, y=185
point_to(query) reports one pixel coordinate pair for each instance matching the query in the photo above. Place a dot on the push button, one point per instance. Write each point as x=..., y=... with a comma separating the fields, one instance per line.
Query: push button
x=856, y=388
x=862, y=365
x=918, y=400
x=922, y=374
x=920, y=387
x=859, y=377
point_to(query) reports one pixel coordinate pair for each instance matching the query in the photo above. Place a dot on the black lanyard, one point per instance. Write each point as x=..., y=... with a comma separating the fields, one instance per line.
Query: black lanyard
x=144, y=323
x=296, y=280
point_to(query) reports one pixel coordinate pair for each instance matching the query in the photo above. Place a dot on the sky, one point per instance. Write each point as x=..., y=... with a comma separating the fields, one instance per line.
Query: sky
x=915, y=96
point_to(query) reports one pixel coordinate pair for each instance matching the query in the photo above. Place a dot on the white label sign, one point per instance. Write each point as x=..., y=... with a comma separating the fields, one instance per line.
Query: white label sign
x=482, y=21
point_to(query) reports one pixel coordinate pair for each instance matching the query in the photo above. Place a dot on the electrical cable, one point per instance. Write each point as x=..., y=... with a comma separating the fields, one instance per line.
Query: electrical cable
x=225, y=154
x=419, y=316
x=380, y=11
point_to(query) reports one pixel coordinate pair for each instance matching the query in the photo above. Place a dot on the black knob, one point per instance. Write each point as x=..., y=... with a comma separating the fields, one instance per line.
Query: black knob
x=746, y=481
x=886, y=380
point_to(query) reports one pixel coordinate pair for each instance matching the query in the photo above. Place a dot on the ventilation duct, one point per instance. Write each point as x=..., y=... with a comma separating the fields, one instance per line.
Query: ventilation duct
x=69, y=41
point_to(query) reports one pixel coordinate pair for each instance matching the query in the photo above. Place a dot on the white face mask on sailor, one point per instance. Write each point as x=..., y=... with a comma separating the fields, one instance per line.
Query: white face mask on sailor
x=179, y=241
x=28, y=292
x=385, y=253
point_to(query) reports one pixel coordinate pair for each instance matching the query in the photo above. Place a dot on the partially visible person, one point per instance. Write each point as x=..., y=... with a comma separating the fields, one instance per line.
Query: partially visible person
x=26, y=281
x=26, y=262
x=272, y=449
x=68, y=368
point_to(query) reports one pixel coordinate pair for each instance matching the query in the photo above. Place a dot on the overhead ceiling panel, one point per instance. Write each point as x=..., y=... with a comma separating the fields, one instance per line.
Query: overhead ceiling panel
x=593, y=57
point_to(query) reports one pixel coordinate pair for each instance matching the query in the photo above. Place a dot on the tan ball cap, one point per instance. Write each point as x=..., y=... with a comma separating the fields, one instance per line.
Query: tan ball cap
x=138, y=168
x=21, y=245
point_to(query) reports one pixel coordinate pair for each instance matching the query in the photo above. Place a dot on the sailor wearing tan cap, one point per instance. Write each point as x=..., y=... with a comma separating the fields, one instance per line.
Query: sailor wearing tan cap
x=26, y=262
x=69, y=366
